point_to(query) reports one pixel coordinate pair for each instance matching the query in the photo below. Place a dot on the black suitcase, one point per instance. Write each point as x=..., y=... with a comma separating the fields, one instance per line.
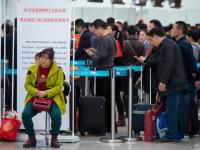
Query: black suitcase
x=92, y=115
x=138, y=116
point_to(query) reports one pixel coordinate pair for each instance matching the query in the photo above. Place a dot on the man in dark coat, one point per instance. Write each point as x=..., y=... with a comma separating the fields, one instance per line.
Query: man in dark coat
x=179, y=32
x=171, y=78
x=85, y=40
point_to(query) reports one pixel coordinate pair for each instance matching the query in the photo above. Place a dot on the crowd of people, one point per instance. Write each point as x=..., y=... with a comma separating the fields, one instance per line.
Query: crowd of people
x=171, y=52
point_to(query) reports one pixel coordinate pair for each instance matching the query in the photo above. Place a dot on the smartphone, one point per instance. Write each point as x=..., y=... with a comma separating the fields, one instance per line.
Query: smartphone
x=87, y=50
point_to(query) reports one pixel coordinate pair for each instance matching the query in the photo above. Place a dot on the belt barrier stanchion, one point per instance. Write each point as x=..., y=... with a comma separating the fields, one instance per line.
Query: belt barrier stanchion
x=72, y=138
x=0, y=69
x=47, y=128
x=113, y=138
x=150, y=100
x=86, y=80
x=130, y=137
x=86, y=86
x=4, y=64
x=95, y=85
x=141, y=86
x=13, y=60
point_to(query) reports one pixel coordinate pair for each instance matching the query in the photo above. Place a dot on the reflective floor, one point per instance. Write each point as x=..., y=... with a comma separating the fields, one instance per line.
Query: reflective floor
x=93, y=143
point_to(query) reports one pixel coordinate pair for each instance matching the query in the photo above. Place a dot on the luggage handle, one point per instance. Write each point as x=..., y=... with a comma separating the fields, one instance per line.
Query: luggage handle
x=95, y=83
x=141, y=87
x=150, y=100
x=157, y=106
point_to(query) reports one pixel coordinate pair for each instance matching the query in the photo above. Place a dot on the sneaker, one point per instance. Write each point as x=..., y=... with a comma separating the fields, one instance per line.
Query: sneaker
x=186, y=138
x=165, y=140
x=194, y=135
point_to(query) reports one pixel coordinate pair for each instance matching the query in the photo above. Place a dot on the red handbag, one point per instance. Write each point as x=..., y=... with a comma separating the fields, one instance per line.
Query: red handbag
x=10, y=125
x=149, y=121
x=42, y=104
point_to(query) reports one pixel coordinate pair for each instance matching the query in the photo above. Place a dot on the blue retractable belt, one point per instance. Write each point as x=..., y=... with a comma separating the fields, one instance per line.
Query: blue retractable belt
x=90, y=73
x=9, y=71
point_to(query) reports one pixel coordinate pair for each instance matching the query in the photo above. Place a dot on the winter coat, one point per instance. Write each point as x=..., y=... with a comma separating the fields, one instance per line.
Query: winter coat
x=129, y=54
x=171, y=68
x=54, y=85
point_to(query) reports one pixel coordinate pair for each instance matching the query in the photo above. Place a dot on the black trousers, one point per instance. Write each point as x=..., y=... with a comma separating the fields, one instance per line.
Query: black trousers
x=103, y=85
x=119, y=87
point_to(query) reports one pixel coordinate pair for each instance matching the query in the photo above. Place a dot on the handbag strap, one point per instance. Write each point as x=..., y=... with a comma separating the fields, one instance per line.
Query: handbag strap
x=158, y=106
x=131, y=48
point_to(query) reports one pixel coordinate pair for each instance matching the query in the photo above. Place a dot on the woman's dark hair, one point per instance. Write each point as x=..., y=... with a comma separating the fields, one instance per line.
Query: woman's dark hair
x=100, y=23
x=110, y=21
x=49, y=51
x=194, y=33
x=115, y=28
x=156, y=23
x=132, y=30
x=168, y=28
x=38, y=55
x=118, y=36
x=80, y=23
x=141, y=26
x=144, y=30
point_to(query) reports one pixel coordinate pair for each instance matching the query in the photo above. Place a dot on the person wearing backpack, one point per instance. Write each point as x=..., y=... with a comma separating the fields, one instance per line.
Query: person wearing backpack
x=171, y=78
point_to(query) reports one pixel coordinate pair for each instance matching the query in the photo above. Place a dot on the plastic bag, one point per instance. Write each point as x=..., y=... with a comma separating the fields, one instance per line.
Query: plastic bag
x=10, y=125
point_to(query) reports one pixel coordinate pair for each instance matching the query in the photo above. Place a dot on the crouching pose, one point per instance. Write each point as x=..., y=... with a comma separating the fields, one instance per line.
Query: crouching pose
x=44, y=80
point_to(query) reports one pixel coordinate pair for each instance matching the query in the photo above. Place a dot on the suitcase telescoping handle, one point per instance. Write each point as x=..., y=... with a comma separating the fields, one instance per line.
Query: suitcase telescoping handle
x=141, y=86
x=87, y=65
x=141, y=89
x=150, y=100
x=95, y=83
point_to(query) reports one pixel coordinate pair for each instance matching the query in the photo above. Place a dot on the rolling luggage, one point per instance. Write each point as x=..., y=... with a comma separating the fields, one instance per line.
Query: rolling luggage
x=150, y=122
x=92, y=114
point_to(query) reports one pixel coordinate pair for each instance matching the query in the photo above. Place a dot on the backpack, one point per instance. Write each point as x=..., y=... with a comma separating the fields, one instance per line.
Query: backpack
x=66, y=88
x=196, y=48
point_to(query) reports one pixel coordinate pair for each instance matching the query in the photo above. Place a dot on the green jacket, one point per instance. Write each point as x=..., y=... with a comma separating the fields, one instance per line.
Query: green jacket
x=54, y=85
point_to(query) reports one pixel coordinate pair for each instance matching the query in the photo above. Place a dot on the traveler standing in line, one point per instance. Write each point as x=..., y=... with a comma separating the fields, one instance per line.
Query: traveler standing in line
x=171, y=78
x=119, y=87
x=179, y=32
x=103, y=59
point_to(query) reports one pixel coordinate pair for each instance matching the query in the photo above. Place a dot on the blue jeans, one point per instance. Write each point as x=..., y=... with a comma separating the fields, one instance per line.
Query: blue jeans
x=185, y=107
x=172, y=110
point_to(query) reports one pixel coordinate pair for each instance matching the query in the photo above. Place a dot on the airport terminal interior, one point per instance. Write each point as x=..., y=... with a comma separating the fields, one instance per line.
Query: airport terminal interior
x=100, y=74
